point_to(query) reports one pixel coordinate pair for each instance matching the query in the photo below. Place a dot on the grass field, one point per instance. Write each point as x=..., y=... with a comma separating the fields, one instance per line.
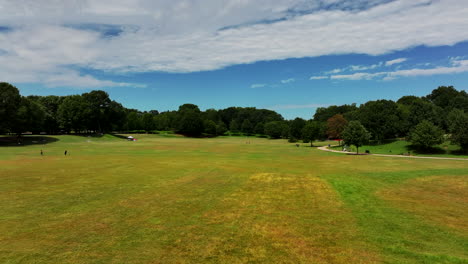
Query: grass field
x=169, y=199
x=399, y=147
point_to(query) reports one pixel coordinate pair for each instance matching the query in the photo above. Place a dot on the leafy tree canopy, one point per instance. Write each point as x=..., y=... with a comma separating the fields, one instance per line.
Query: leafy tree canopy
x=356, y=134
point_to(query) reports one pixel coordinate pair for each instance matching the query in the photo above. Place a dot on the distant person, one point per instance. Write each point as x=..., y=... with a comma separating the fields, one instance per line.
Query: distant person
x=42, y=153
x=65, y=153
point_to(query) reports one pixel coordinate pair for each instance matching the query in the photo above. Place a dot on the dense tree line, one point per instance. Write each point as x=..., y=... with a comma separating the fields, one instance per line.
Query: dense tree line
x=425, y=121
x=442, y=113
x=95, y=112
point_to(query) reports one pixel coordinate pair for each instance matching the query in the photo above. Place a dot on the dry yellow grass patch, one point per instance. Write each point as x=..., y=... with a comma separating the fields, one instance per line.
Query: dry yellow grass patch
x=441, y=199
x=289, y=219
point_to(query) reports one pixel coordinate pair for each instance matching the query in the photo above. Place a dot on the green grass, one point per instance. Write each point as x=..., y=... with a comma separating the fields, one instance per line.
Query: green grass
x=400, y=147
x=173, y=199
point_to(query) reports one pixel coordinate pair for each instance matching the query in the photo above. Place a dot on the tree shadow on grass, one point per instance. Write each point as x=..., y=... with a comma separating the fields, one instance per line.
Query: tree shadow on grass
x=426, y=151
x=92, y=135
x=26, y=141
x=119, y=136
x=381, y=142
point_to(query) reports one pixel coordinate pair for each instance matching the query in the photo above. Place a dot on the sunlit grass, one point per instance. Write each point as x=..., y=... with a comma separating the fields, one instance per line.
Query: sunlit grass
x=402, y=147
x=225, y=200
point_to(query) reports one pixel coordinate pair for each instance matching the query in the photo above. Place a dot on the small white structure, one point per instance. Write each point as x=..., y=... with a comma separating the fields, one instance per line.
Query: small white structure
x=130, y=138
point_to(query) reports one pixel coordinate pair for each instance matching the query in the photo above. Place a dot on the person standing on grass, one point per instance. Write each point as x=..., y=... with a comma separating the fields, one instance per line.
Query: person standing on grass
x=42, y=153
x=65, y=153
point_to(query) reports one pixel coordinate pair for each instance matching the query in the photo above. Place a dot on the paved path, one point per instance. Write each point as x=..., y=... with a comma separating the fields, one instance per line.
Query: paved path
x=325, y=148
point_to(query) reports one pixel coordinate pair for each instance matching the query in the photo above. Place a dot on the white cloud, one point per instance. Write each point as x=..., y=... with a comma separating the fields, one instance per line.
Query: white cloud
x=334, y=71
x=458, y=66
x=356, y=76
x=184, y=36
x=290, y=80
x=395, y=61
x=318, y=77
x=257, y=85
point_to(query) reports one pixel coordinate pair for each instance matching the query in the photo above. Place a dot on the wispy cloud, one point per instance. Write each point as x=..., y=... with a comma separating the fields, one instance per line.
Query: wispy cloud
x=258, y=85
x=334, y=71
x=318, y=77
x=395, y=61
x=290, y=80
x=458, y=66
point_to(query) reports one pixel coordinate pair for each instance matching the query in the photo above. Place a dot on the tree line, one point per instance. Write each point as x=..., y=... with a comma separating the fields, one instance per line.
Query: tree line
x=425, y=120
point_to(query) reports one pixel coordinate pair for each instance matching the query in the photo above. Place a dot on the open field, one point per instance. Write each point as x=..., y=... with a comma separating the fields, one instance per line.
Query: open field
x=169, y=199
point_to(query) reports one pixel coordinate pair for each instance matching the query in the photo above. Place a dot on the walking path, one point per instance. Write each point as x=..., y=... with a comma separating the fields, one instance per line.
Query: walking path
x=325, y=148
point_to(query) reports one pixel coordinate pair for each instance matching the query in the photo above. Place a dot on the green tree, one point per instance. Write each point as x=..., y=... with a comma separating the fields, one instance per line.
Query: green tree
x=51, y=104
x=73, y=113
x=425, y=135
x=296, y=127
x=247, y=127
x=98, y=109
x=9, y=102
x=311, y=131
x=190, y=122
x=458, y=127
x=356, y=134
x=221, y=128
x=209, y=127
x=234, y=126
x=322, y=114
x=382, y=118
x=147, y=121
x=259, y=129
x=30, y=116
x=444, y=96
x=274, y=129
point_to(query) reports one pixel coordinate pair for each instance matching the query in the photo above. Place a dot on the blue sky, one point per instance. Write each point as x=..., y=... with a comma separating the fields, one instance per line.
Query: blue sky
x=291, y=56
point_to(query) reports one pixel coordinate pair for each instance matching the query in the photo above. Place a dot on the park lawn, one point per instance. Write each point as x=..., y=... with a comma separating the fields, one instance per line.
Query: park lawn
x=225, y=200
x=400, y=147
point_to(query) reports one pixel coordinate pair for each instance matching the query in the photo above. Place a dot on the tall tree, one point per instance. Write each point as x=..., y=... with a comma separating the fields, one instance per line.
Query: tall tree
x=275, y=129
x=99, y=103
x=458, y=126
x=73, y=113
x=221, y=128
x=9, y=102
x=234, y=126
x=356, y=134
x=322, y=114
x=259, y=128
x=209, y=127
x=247, y=127
x=311, y=131
x=335, y=126
x=29, y=117
x=382, y=118
x=147, y=122
x=190, y=122
x=296, y=127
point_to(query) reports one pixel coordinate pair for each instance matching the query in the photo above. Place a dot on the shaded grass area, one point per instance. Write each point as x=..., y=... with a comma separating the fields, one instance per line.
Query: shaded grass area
x=402, y=147
x=223, y=200
x=13, y=141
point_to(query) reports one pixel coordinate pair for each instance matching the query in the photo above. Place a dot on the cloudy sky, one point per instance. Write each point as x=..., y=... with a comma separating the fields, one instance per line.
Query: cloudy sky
x=288, y=55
